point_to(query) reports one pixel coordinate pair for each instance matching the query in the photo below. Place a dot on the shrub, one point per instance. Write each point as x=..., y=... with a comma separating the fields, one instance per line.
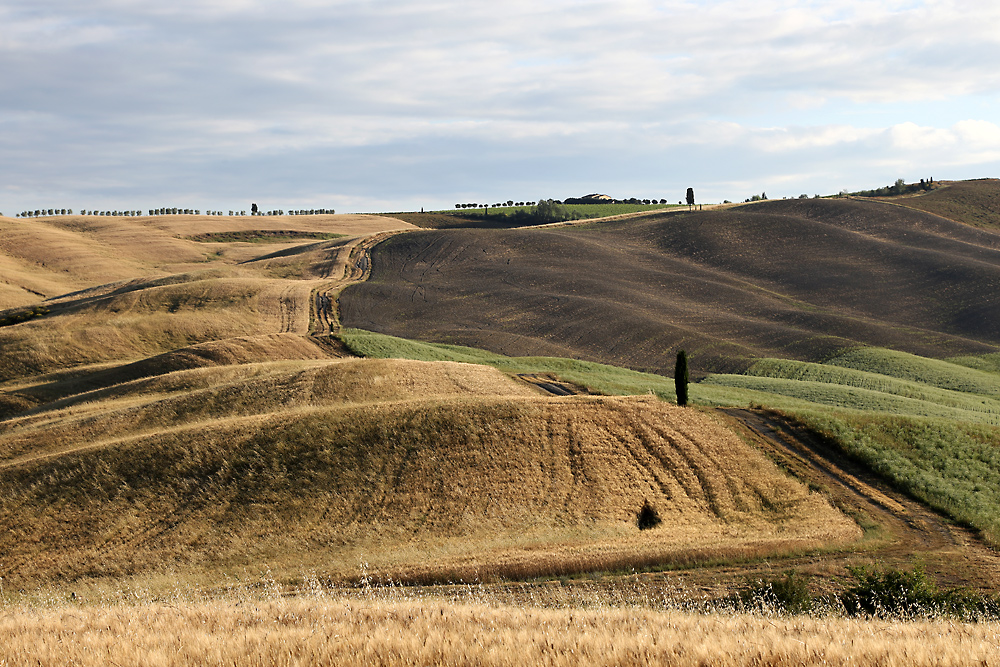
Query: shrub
x=23, y=316
x=648, y=517
x=888, y=592
x=789, y=594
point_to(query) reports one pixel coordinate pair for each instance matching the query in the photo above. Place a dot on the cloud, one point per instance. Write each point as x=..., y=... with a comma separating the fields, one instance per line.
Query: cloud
x=196, y=98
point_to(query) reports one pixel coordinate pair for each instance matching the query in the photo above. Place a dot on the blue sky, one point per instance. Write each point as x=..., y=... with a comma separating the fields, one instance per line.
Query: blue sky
x=389, y=105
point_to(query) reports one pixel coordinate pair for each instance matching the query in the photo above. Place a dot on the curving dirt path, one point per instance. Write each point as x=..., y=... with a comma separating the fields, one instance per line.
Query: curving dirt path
x=325, y=319
x=902, y=532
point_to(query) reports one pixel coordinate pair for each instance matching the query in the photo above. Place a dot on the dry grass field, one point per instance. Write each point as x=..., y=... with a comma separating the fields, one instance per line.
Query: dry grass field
x=975, y=203
x=188, y=422
x=797, y=279
x=129, y=288
x=372, y=631
x=42, y=258
x=425, y=471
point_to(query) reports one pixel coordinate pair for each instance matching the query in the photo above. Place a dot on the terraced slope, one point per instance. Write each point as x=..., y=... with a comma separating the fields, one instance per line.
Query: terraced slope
x=799, y=279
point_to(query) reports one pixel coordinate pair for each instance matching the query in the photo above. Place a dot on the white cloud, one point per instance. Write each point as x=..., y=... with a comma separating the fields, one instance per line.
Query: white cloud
x=578, y=90
x=979, y=133
x=911, y=137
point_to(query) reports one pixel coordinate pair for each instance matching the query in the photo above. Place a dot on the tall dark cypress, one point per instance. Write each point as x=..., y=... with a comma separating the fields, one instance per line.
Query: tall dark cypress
x=681, y=378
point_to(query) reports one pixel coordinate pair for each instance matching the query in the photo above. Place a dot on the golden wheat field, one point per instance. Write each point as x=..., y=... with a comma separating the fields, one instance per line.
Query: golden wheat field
x=185, y=419
x=368, y=631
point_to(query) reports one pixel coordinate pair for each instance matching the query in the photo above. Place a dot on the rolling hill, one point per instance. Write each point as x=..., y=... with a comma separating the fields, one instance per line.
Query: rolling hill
x=123, y=289
x=41, y=258
x=173, y=406
x=422, y=470
x=176, y=412
x=799, y=279
x=975, y=203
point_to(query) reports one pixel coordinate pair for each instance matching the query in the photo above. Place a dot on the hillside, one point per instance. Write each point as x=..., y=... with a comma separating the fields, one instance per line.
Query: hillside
x=975, y=203
x=183, y=417
x=800, y=279
x=123, y=289
x=42, y=258
x=422, y=470
x=191, y=418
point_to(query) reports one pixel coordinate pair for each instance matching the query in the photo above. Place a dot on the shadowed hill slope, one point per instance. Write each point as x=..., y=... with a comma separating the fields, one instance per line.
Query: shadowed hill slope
x=800, y=279
x=422, y=470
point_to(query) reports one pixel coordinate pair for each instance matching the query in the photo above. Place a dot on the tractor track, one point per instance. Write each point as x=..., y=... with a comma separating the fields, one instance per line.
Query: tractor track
x=324, y=306
x=909, y=532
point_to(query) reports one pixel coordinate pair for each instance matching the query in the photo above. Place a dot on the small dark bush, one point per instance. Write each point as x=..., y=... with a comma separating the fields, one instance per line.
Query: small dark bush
x=648, y=517
x=23, y=316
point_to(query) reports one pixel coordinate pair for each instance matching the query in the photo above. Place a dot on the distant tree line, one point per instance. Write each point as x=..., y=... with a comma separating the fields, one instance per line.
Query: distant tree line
x=900, y=187
x=546, y=210
x=502, y=204
x=49, y=212
x=630, y=200
x=44, y=212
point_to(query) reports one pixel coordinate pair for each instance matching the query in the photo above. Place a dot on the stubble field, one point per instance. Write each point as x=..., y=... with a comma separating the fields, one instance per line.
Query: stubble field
x=801, y=279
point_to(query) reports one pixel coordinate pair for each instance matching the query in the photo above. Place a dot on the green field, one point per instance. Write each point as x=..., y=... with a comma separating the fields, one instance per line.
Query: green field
x=952, y=465
x=885, y=388
x=598, y=378
x=931, y=427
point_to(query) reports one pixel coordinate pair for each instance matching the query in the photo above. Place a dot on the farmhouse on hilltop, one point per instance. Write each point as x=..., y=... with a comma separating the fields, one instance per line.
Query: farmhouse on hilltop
x=590, y=199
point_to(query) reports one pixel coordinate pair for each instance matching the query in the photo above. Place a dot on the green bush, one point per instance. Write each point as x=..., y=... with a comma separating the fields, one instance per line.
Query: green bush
x=883, y=592
x=788, y=594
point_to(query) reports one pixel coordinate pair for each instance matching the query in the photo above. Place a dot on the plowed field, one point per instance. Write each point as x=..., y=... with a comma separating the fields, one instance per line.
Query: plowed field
x=800, y=279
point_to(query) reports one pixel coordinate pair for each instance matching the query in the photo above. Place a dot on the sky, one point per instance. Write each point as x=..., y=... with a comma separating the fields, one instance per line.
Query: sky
x=397, y=105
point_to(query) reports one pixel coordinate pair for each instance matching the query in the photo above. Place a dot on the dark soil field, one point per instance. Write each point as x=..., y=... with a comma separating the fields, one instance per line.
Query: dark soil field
x=796, y=279
x=457, y=220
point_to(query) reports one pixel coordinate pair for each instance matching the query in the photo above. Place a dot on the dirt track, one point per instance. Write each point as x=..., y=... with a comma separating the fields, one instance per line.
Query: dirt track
x=908, y=532
x=325, y=319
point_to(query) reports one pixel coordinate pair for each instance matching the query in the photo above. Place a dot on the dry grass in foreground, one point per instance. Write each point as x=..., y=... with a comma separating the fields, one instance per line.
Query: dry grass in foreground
x=340, y=631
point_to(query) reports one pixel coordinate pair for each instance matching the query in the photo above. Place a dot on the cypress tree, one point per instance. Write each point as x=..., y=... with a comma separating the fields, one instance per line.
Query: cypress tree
x=681, y=378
